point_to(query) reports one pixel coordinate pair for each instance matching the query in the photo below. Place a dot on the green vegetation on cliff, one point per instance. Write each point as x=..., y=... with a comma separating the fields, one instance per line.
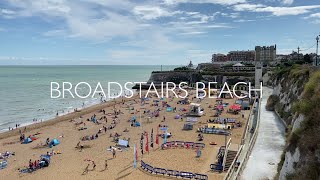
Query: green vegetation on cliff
x=305, y=100
x=307, y=137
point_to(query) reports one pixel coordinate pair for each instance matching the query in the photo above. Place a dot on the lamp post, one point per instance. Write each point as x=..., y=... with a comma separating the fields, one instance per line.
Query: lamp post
x=317, y=38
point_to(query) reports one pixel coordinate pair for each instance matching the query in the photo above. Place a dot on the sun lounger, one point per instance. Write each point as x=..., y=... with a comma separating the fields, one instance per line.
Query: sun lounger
x=200, y=176
x=187, y=175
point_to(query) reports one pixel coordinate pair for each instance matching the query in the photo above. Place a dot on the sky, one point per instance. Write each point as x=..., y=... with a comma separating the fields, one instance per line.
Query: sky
x=150, y=32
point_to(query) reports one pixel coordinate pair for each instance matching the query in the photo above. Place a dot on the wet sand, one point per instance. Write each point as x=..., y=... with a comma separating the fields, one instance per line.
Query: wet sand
x=71, y=163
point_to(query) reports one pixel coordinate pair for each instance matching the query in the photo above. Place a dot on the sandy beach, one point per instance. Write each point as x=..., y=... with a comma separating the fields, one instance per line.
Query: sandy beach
x=71, y=163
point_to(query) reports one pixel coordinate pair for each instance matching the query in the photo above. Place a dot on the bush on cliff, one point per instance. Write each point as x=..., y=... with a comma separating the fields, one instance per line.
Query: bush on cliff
x=272, y=101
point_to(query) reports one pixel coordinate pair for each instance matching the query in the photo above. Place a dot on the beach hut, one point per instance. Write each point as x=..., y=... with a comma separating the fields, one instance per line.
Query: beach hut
x=219, y=126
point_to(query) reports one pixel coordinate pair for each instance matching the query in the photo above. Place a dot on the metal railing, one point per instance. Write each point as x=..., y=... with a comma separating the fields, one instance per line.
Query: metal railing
x=225, y=154
x=230, y=173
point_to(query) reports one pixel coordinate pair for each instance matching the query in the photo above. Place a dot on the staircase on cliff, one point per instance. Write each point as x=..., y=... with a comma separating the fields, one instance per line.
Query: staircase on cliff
x=230, y=157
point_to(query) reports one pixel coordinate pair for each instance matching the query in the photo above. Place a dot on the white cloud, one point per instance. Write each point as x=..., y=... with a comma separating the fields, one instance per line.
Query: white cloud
x=231, y=15
x=287, y=2
x=277, y=11
x=315, y=15
x=247, y=7
x=221, y=2
x=193, y=33
x=152, y=12
x=315, y=18
x=7, y=12
x=57, y=32
x=244, y=20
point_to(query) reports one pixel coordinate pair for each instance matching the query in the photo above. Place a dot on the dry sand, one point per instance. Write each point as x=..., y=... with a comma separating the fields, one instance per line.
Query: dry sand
x=70, y=164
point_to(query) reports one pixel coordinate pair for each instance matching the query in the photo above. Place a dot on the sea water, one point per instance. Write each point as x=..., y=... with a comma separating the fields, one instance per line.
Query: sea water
x=25, y=90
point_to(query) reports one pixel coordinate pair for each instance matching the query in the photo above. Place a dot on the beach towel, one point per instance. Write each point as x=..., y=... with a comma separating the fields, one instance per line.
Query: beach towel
x=123, y=143
x=169, y=109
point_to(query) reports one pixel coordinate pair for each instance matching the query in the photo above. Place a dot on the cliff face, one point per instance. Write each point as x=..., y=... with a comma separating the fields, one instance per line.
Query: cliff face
x=175, y=76
x=297, y=94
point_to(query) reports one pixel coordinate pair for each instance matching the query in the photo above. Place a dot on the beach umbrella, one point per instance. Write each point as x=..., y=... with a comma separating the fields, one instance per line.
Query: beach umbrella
x=165, y=137
x=136, y=153
x=157, y=136
x=147, y=143
x=141, y=143
x=151, y=144
x=135, y=157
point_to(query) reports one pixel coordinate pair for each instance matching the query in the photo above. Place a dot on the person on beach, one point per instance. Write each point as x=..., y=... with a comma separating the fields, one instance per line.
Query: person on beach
x=94, y=165
x=86, y=170
x=105, y=164
x=113, y=153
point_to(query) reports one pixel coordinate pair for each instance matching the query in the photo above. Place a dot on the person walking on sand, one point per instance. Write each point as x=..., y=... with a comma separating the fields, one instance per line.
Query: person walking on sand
x=86, y=170
x=94, y=165
x=114, y=153
x=105, y=164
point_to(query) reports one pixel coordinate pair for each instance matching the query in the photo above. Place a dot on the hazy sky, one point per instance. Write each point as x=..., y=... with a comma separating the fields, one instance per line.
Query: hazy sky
x=150, y=32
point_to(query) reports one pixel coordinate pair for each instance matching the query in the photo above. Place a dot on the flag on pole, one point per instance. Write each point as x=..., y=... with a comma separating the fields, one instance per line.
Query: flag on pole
x=147, y=143
x=165, y=137
x=157, y=136
x=136, y=154
x=135, y=157
x=151, y=144
x=141, y=143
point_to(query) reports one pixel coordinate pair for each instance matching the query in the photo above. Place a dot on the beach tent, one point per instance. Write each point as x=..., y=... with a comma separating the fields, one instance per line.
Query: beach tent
x=192, y=119
x=137, y=124
x=124, y=143
x=177, y=116
x=44, y=160
x=239, y=101
x=220, y=107
x=27, y=140
x=235, y=107
x=195, y=110
x=245, y=105
x=163, y=128
x=3, y=164
x=54, y=142
x=187, y=127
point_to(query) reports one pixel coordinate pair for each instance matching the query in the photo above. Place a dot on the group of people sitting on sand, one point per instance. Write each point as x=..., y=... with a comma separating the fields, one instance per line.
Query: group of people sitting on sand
x=6, y=155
